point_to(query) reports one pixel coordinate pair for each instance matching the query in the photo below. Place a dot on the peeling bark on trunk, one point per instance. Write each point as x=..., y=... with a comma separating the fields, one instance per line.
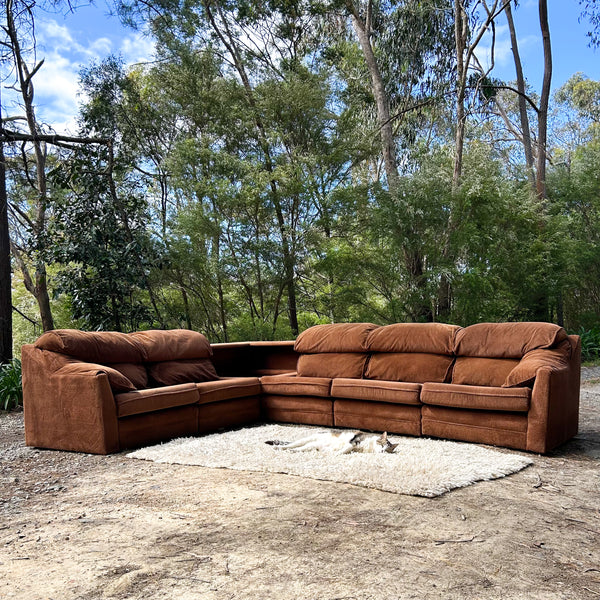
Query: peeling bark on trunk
x=25, y=87
x=525, y=130
x=412, y=258
x=5, y=271
x=544, y=100
x=461, y=28
x=289, y=258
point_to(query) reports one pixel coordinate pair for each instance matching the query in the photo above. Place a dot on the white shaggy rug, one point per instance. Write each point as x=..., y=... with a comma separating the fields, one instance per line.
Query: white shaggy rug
x=418, y=467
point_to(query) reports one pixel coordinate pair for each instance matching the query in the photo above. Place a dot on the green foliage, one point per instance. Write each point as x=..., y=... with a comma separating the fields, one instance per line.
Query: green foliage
x=245, y=190
x=590, y=344
x=11, y=387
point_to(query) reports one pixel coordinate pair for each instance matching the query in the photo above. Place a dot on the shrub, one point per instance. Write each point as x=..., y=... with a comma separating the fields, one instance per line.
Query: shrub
x=590, y=344
x=11, y=388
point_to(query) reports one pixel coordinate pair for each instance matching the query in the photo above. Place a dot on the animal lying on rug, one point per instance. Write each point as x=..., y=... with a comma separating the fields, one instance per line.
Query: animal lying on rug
x=339, y=442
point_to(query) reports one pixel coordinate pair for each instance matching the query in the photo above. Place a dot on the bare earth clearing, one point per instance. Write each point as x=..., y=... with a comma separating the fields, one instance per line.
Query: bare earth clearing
x=75, y=526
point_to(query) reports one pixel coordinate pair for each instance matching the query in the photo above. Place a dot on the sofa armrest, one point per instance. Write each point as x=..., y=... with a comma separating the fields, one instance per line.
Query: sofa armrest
x=554, y=412
x=67, y=410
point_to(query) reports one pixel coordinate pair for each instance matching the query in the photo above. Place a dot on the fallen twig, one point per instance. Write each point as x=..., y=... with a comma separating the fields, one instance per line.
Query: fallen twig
x=440, y=542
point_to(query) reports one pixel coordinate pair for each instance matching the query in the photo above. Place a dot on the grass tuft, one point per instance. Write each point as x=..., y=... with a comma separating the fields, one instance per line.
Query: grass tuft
x=11, y=387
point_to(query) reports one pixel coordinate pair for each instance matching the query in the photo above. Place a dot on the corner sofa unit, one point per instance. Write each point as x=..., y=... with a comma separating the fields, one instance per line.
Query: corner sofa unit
x=506, y=384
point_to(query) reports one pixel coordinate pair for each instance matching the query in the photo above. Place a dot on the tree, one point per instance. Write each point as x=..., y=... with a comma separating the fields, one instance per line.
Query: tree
x=542, y=156
x=18, y=18
x=522, y=99
x=591, y=11
x=5, y=265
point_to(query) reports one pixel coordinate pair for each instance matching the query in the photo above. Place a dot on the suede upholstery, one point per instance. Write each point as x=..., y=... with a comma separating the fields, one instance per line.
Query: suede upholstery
x=337, y=337
x=472, y=370
x=507, y=384
x=332, y=364
x=415, y=367
x=173, y=372
x=428, y=338
x=506, y=340
x=92, y=346
x=137, y=374
x=78, y=394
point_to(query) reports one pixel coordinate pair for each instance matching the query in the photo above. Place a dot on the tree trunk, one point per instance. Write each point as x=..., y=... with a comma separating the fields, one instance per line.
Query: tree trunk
x=525, y=130
x=412, y=258
x=384, y=121
x=461, y=28
x=25, y=87
x=289, y=257
x=43, y=298
x=544, y=100
x=5, y=272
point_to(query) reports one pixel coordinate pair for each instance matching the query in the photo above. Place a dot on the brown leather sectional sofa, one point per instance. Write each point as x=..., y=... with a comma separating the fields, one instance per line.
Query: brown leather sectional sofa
x=506, y=384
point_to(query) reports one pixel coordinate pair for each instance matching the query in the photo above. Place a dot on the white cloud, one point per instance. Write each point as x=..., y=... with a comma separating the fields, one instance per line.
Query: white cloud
x=65, y=53
x=137, y=48
x=503, y=57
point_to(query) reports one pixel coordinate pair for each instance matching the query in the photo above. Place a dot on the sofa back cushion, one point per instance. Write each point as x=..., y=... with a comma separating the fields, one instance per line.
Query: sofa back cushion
x=332, y=364
x=137, y=374
x=174, y=372
x=413, y=367
x=429, y=338
x=482, y=371
x=174, y=344
x=506, y=340
x=92, y=346
x=336, y=337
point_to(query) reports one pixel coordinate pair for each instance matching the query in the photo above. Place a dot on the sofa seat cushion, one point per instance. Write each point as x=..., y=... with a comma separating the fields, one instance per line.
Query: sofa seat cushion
x=293, y=385
x=143, y=401
x=174, y=372
x=413, y=367
x=332, y=364
x=228, y=388
x=476, y=397
x=469, y=370
x=394, y=392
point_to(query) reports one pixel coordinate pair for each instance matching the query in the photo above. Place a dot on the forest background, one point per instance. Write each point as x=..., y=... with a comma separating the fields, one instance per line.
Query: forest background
x=285, y=163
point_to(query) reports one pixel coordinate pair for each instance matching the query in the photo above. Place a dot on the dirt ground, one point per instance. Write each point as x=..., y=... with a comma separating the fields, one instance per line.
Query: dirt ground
x=75, y=526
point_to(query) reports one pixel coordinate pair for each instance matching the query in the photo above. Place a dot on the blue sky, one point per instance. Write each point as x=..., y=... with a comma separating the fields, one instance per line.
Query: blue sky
x=71, y=41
